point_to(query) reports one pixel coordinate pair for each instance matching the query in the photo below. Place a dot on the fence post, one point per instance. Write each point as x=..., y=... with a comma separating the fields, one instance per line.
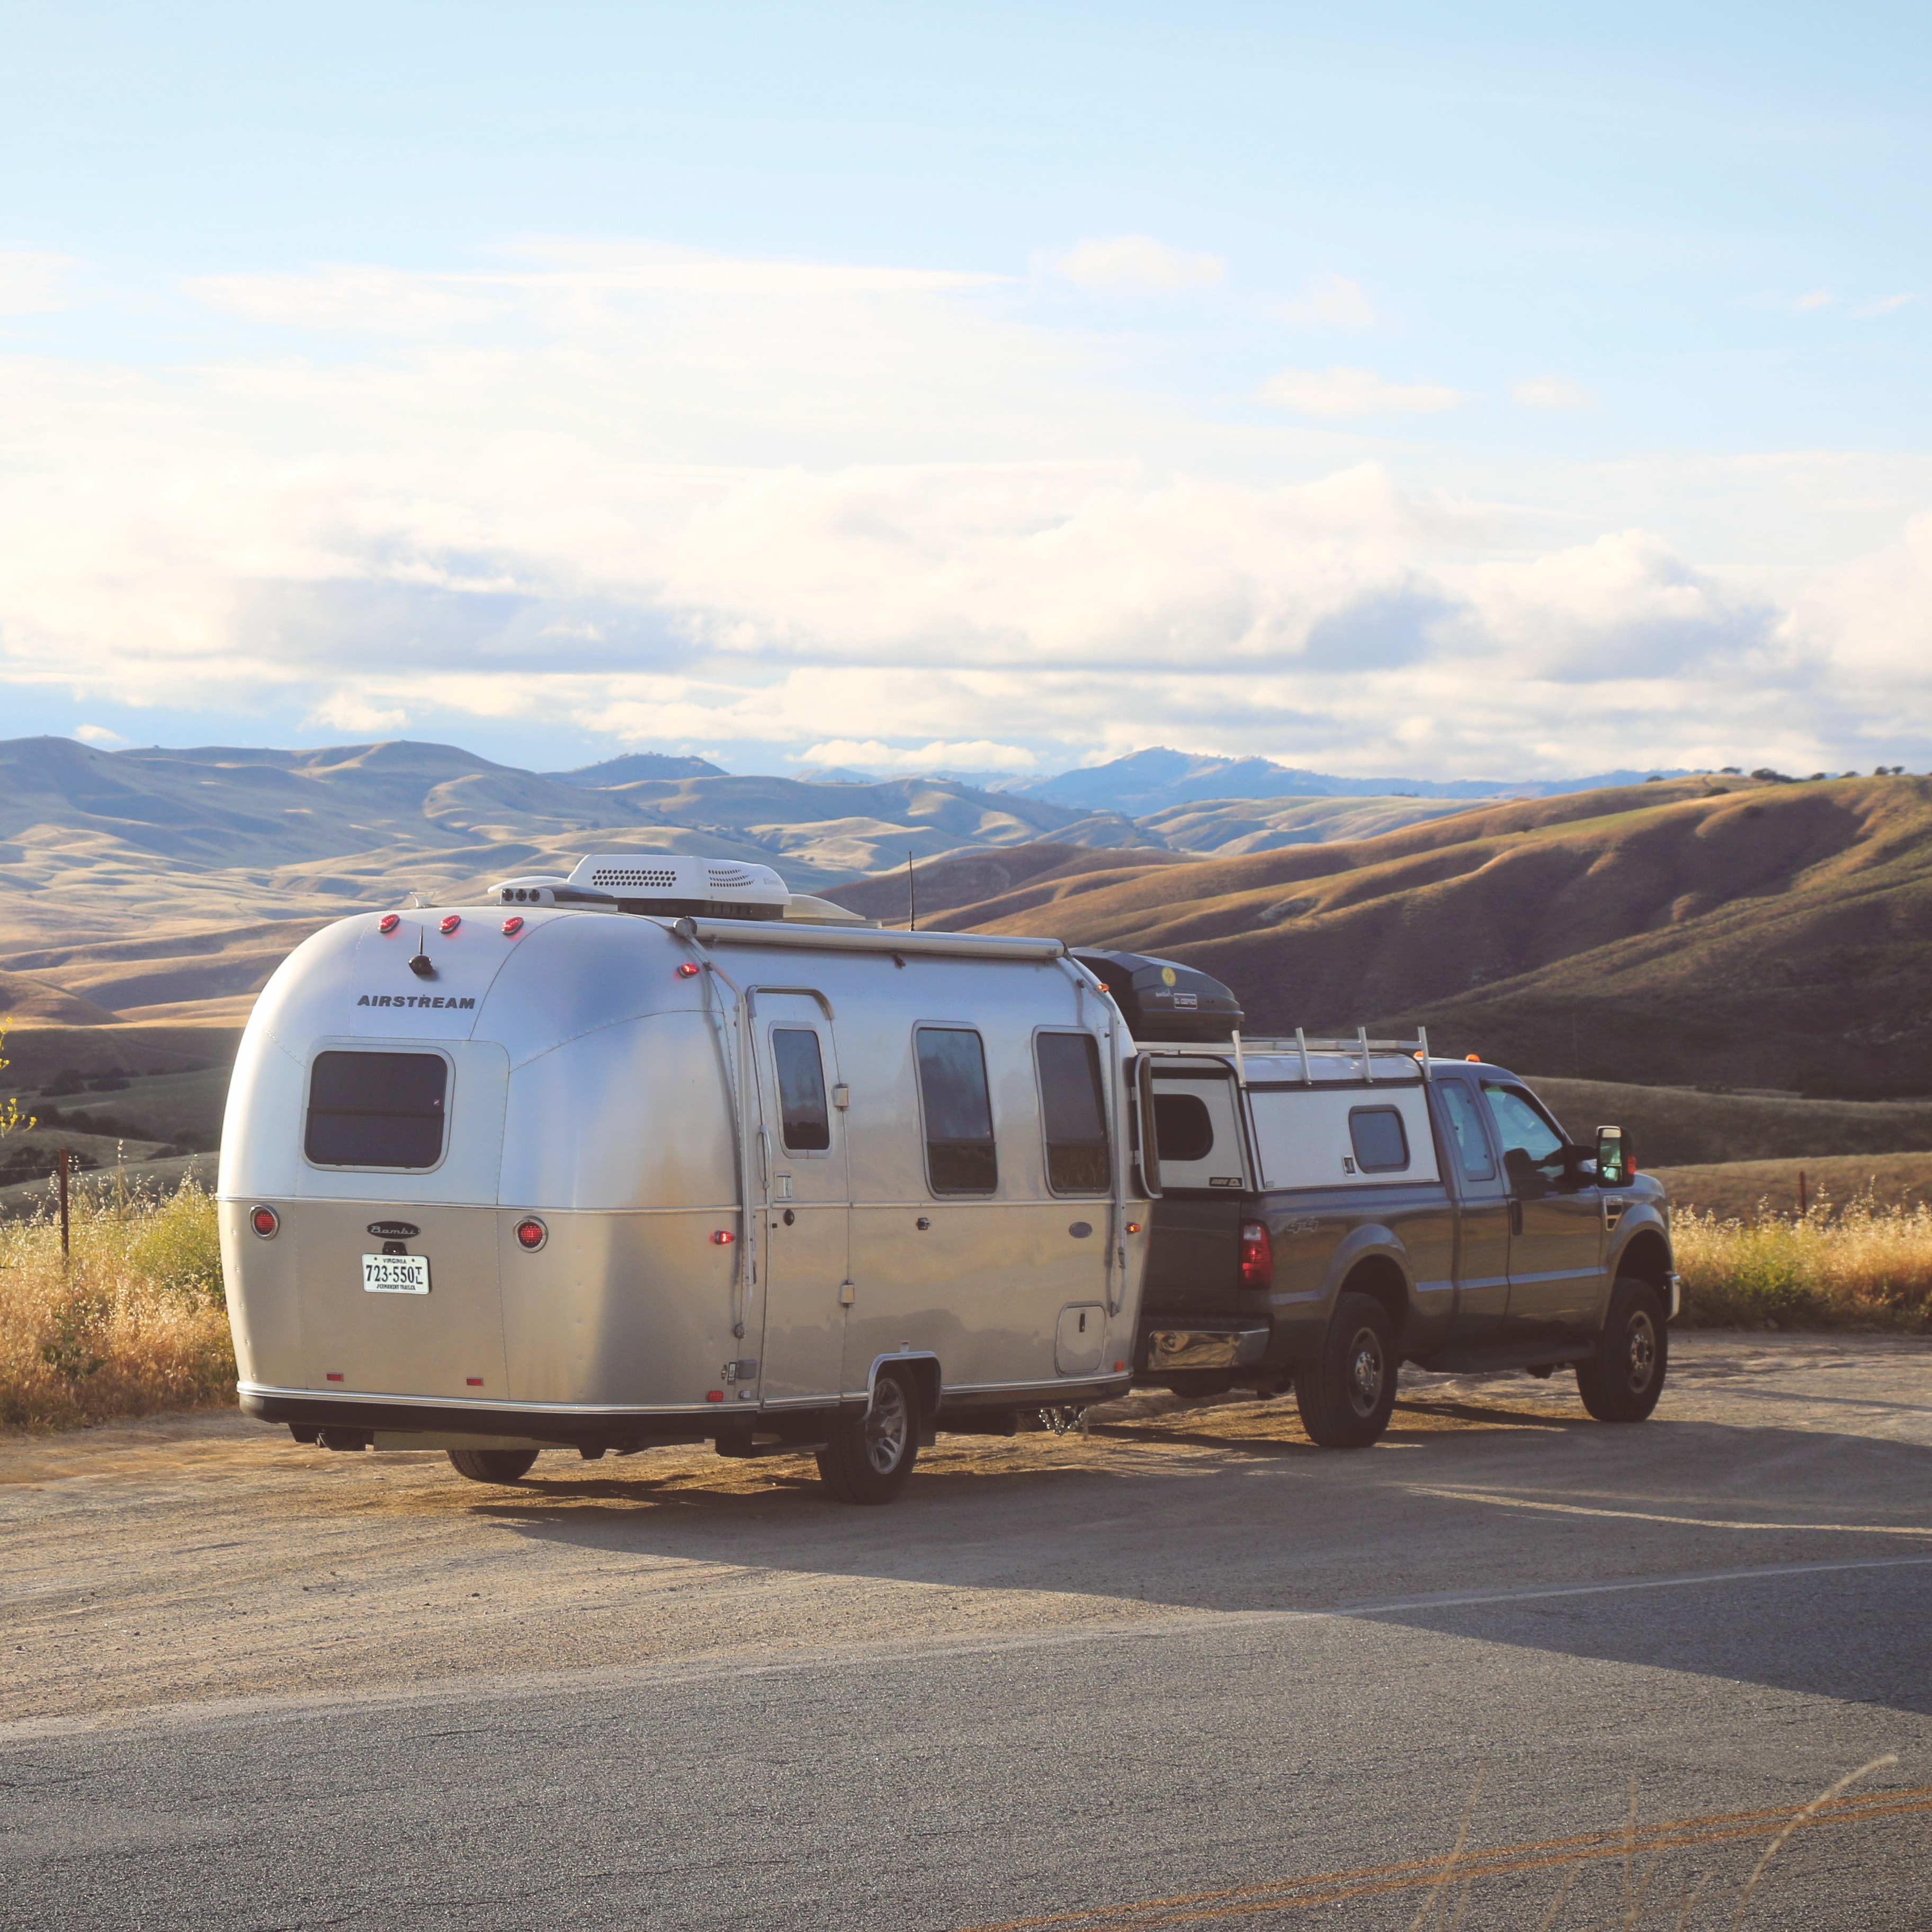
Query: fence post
x=63, y=1201
x=1801, y=1194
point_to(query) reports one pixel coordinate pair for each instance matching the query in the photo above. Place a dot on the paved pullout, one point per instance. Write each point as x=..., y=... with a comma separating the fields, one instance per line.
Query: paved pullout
x=1187, y=1659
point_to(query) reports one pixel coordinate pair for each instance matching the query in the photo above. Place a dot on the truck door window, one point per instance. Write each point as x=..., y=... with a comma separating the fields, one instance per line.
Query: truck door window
x=1530, y=1143
x=1183, y=1127
x=960, y=1157
x=1472, y=1146
x=376, y=1109
x=805, y=1122
x=1073, y=1113
x=1380, y=1145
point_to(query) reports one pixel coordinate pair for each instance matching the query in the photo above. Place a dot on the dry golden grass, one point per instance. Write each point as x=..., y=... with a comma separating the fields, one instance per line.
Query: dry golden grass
x=1865, y=1264
x=134, y=1323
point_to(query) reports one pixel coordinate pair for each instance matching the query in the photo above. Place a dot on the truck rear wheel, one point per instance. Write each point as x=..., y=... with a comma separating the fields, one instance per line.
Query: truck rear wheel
x=1346, y=1394
x=1622, y=1380
x=872, y=1450
x=492, y=1465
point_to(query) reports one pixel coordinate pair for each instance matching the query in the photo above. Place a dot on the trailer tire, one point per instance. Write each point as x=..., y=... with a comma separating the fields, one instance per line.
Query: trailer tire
x=1346, y=1394
x=872, y=1450
x=1622, y=1380
x=492, y=1465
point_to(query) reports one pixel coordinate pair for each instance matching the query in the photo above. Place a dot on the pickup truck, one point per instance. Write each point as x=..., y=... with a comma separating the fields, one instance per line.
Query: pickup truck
x=1327, y=1210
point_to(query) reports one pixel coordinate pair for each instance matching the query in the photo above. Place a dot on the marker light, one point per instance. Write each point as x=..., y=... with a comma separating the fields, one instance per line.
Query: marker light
x=687, y=971
x=1257, y=1256
x=723, y=1237
x=531, y=1233
x=449, y=922
x=511, y=927
x=388, y=922
x=1476, y=1057
x=714, y=1395
x=1133, y=1227
x=1118, y=1366
x=472, y=1382
x=265, y=1221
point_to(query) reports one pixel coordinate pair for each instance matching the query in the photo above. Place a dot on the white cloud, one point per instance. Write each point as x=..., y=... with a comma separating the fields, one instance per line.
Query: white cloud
x=98, y=734
x=882, y=515
x=1559, y=394
x=1355, y=392
x=1135, y=265
x=36, y=284
x=1331, y=302
x=1888, y=305
x=1817, y=298
x=976, y=754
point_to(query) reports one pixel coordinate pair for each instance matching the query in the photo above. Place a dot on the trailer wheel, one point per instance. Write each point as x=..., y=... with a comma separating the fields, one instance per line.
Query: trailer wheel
x=1622, y=1380
x=1346, y=1392
x=492, y=1465
x=872, y=1450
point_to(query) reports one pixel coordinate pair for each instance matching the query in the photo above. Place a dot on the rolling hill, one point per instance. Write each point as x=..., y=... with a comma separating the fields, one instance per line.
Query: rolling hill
x=1699, y=930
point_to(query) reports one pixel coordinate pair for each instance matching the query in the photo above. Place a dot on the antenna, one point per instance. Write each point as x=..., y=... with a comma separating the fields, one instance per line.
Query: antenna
x=912, y=898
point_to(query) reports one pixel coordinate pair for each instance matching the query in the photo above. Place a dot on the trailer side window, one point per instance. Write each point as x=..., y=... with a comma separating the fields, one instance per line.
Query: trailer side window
x=1183, y=1127
x=960, y=1157
x=806, y=1124
x=376, y=1109
x=1074, y=1113
x=1381, y=1144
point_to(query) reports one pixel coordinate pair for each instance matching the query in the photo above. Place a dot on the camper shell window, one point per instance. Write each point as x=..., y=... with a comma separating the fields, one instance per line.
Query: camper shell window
x=376, y=1109
x=1380, y=1141
x=960, y=1157
x=1073, y=1113
x=1183, y=1128
x=805, y=1122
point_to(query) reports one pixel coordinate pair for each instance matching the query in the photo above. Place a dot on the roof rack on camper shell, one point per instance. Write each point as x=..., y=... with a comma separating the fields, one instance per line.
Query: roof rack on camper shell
x=1359, y=1052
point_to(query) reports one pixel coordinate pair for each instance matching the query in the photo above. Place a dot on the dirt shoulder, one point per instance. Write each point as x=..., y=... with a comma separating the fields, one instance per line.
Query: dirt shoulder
x=206, y=1557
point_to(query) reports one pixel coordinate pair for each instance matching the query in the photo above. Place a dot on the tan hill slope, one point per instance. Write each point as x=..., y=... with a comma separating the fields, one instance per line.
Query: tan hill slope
x=1702, y=930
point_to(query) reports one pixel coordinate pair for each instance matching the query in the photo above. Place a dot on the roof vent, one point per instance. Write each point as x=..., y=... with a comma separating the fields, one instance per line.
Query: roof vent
x=671, y=885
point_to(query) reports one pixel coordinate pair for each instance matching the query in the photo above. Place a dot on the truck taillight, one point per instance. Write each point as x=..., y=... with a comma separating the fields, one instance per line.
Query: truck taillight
x=1257, y=1256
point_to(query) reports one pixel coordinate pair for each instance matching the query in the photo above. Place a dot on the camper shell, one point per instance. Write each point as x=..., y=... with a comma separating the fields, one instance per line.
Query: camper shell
x=558, y=1170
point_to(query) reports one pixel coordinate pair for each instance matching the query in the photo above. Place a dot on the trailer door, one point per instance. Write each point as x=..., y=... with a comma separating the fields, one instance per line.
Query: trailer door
x=808, y=1200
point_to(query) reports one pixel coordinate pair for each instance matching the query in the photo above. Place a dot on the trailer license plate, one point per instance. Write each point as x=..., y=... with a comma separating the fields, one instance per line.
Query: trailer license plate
x=395, y=1274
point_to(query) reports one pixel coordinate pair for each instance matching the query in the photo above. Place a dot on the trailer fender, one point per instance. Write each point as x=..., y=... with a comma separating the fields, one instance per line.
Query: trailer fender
x=927, y=1380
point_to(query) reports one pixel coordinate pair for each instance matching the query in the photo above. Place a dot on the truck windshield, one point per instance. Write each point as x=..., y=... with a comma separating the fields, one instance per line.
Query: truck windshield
x=376, y=1109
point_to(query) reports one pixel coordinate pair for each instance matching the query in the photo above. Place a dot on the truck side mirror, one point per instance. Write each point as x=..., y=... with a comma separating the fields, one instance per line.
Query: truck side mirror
x=1614, y=1165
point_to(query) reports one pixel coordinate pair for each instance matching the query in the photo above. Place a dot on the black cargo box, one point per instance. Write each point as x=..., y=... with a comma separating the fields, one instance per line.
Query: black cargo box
x=1162, y=1000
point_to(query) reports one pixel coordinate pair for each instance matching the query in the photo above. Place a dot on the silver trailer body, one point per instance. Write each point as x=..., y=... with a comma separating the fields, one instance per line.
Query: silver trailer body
x=610, y=1211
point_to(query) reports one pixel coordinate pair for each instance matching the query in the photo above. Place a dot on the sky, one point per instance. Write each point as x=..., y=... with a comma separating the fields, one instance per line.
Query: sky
x=1446, y=393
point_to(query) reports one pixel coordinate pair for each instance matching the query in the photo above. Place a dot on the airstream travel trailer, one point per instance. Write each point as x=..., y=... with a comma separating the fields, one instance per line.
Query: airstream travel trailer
x=536, y=1174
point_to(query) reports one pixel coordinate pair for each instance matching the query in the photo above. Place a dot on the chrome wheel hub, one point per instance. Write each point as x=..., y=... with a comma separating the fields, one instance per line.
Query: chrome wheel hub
x=1641, y=1343
x=1365, y=1372
x=888, y=1425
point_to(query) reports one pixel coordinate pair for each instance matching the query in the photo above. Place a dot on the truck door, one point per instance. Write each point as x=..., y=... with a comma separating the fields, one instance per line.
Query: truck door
x=1556, y=1225
x=1482, y=1214
x=808, y=1200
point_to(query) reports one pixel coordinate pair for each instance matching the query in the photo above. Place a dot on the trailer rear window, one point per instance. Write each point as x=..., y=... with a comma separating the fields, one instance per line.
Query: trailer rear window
x=376, y=1109
x=960, y=1158
x=806, y=1124
x=1073, y=1113
x=1381, y=1144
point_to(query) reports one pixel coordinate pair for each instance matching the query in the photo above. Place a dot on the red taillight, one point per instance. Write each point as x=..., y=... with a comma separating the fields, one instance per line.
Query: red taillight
x=723, y=1237
x=449, y=922
x=687, y=971
x=531, y=1233
x=511, y=927
x=1257, y=1256
x=388, y=922
x=265, y=1221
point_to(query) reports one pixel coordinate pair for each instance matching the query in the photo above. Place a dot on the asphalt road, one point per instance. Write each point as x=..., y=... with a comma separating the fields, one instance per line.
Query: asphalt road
x=1135, y=1680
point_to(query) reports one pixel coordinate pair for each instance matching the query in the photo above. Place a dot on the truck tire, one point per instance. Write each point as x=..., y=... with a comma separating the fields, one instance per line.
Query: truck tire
x=492, y=1465
x=872, y=1449
x=1622, y=1380
x=1346, y=1392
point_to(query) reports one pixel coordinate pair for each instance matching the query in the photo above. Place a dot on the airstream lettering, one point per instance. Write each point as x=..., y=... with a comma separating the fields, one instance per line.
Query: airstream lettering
x=718, y=1171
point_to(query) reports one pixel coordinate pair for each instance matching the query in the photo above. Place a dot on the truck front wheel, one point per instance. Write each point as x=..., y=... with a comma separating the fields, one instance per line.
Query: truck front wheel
x=1622, y=1380
x=1346, y=1394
